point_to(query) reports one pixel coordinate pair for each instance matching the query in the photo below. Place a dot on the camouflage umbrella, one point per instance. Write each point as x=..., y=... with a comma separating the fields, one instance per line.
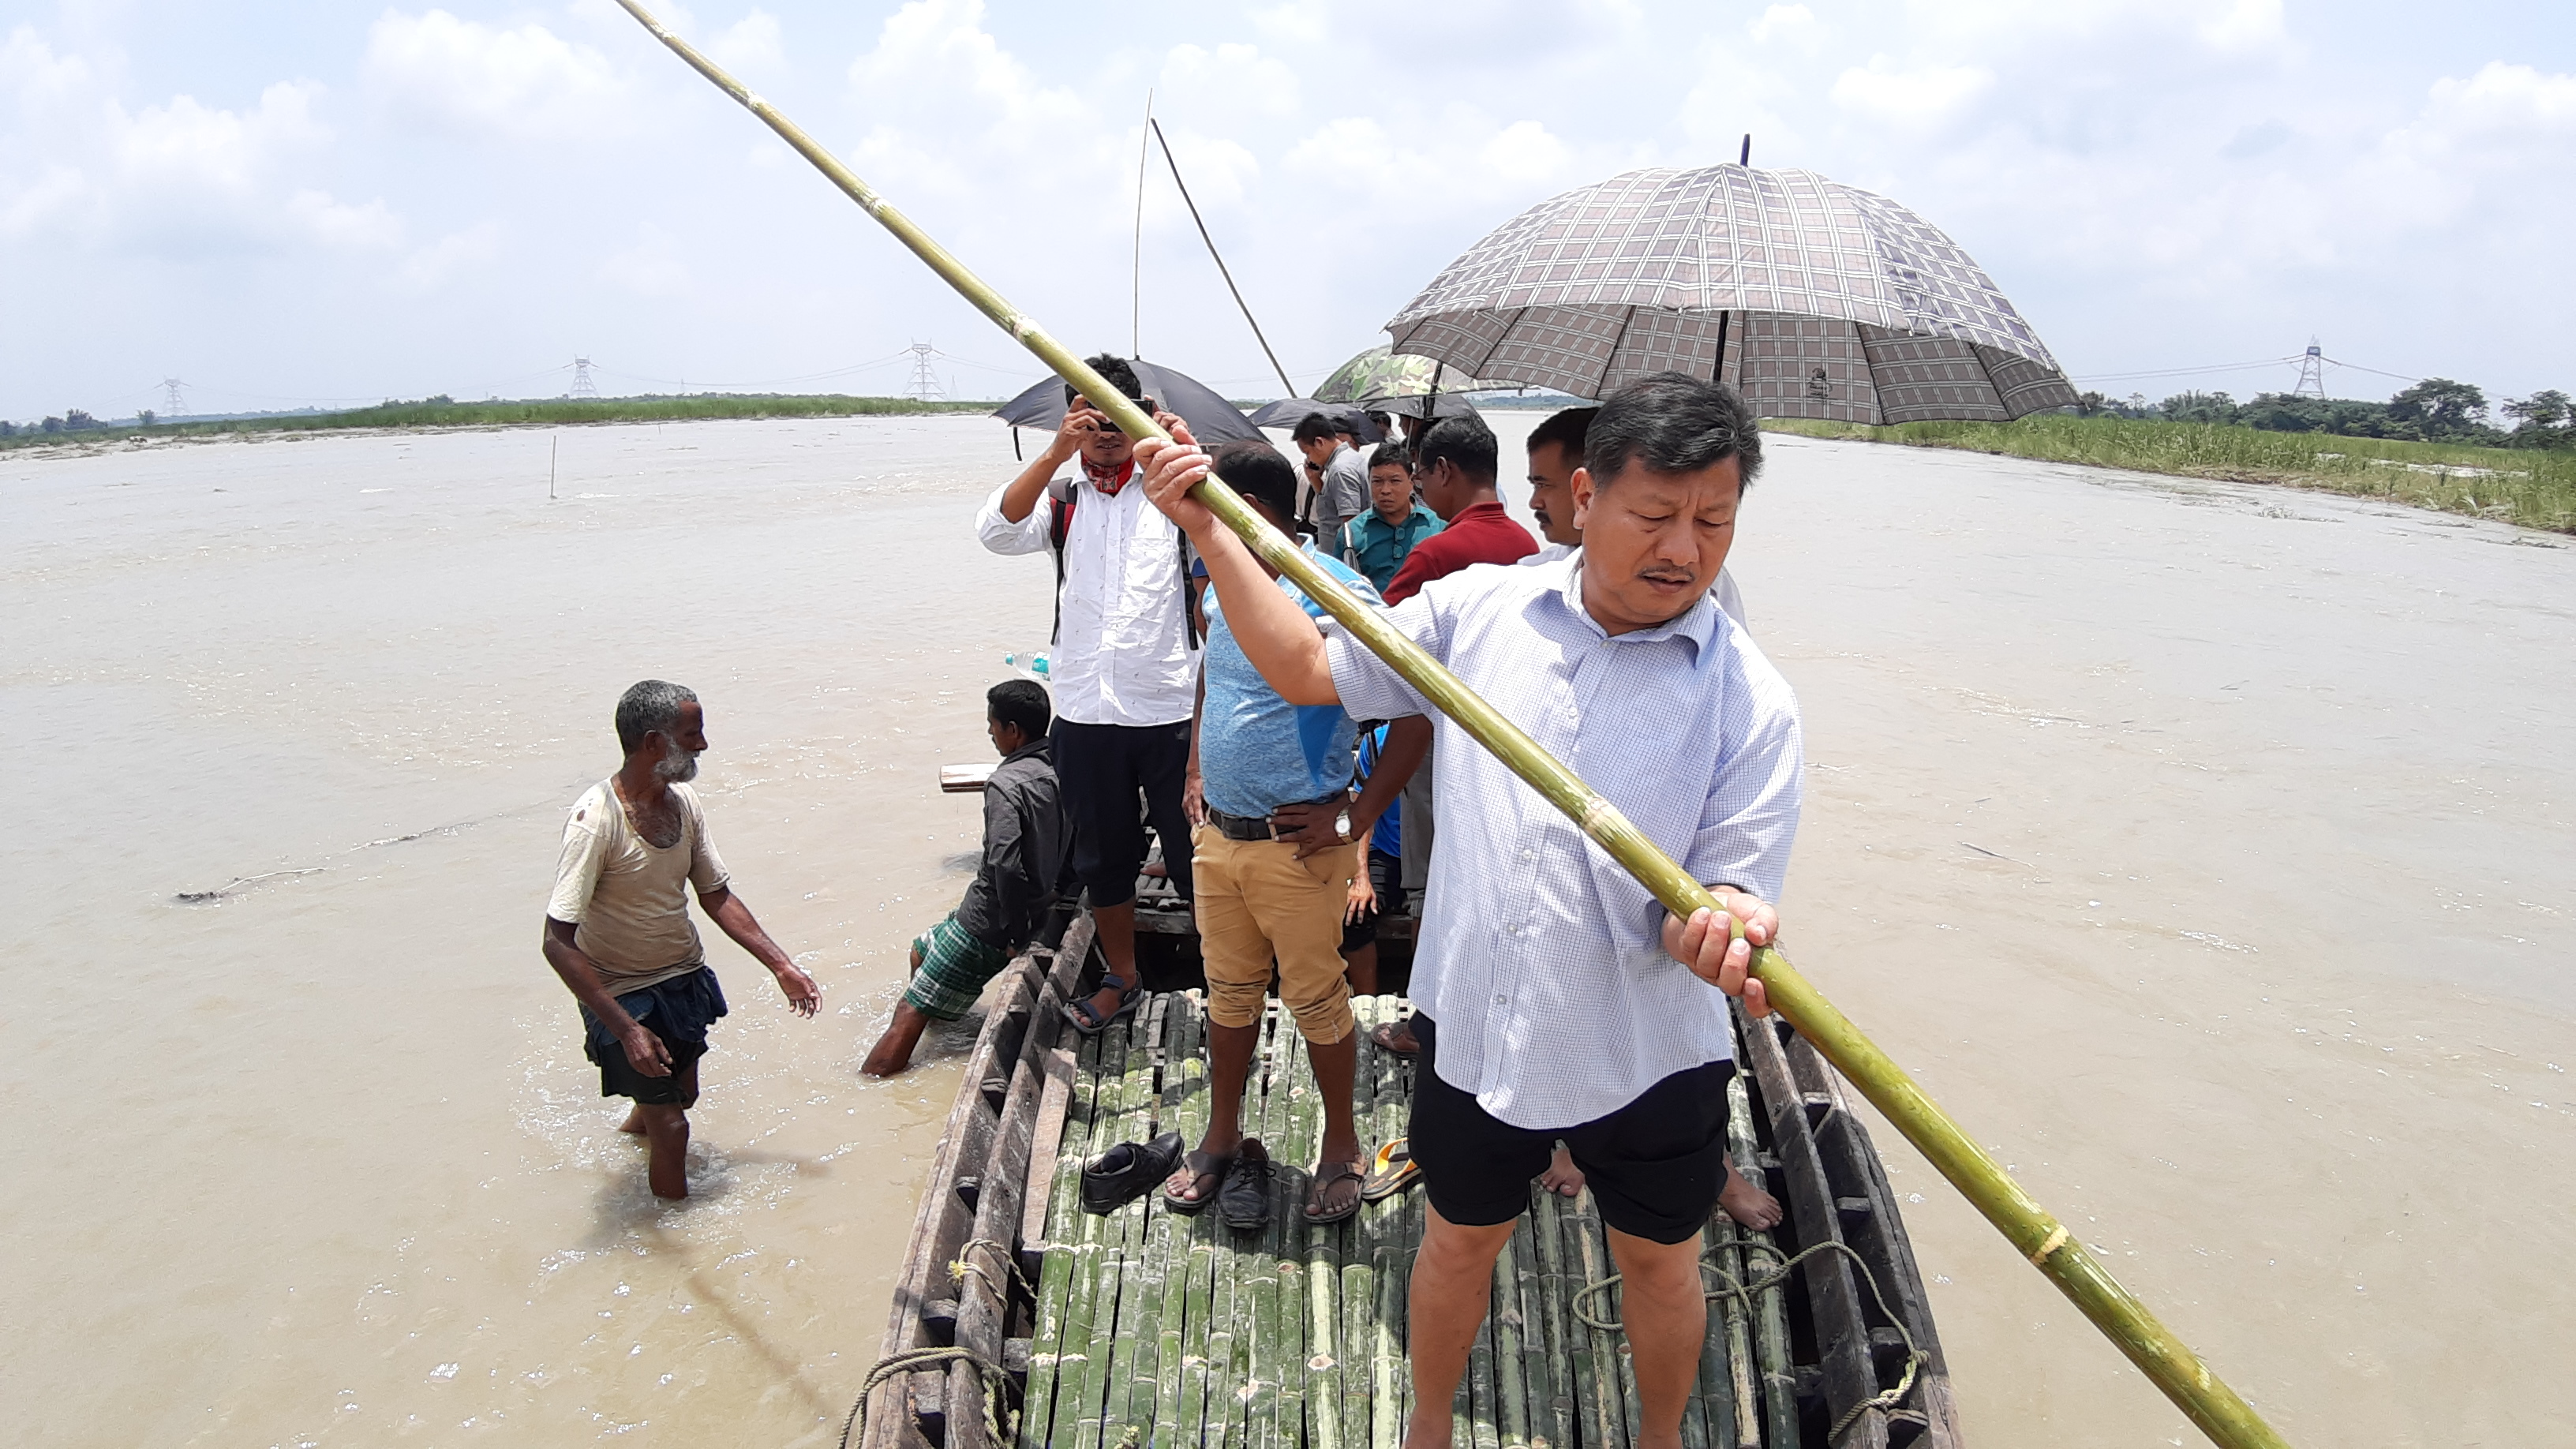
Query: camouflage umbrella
x=1378, y=374
x=1817, y=300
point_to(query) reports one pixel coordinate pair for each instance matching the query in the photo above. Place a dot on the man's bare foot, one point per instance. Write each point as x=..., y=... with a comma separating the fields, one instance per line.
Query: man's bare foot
x=1747, y=1204
x=1562, y=1177
x=893, y=1051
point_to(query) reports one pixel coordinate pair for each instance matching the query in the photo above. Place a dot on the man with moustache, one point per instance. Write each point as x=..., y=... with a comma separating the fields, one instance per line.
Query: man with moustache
x=1125, y=668
x=1555, y=451
x=618, y=930
x=1557, y=999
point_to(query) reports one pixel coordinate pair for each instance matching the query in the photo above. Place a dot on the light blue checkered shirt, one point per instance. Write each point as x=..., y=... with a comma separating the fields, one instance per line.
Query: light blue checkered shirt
x=1541, y=959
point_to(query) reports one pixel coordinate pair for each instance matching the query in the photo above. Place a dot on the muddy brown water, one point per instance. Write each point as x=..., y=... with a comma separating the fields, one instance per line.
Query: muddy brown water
x=2204, y=848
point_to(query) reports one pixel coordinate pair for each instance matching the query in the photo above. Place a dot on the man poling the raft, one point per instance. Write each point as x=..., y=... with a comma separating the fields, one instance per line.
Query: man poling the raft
x=2193, y=1387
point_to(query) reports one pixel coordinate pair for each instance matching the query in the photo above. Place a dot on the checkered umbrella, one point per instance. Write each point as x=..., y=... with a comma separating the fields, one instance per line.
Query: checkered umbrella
x=1815, y=299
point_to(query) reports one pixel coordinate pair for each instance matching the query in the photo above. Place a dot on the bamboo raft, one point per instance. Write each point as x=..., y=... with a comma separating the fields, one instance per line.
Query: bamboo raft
x=1148, y=1327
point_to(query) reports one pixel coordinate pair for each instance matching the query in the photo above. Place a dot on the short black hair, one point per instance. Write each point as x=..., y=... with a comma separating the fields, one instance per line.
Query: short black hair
x=1383, y=422
x=1313, y=426
x=1389, y=455
x=1021, y=704
x=1673, y=423
x=1566, y=430
x=1466, y=442
x=1254, y=469
x=1120, y=375
x=649, y=706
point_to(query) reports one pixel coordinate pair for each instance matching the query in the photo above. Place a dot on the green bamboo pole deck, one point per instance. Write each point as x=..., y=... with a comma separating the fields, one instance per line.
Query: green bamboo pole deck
x=2219, y=1412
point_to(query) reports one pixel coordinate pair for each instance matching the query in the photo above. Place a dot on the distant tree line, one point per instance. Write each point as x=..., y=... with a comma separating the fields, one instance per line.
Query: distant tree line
x=2434, y=410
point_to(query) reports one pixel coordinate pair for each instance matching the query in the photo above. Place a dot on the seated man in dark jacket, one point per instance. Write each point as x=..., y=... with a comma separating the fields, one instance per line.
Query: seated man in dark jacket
x=1023, y=854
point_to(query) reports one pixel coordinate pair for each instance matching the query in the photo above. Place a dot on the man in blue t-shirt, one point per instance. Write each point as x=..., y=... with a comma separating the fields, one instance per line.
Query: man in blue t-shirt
x=1272, y=859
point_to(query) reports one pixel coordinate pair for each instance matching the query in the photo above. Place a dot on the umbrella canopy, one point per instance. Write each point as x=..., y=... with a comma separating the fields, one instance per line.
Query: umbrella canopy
x=1288, y=412
x=1441, y=405
x=1211, y=418
x=1817, y=300
x=1380, y=373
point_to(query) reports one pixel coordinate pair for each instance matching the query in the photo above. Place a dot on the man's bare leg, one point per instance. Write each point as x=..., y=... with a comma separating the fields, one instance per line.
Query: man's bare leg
x=634, y=1122
x=893, y=1051
x=1360, y=966
x=1746, y=1203
x=1665, y=1308
x=1452, y=1284
x=1114, y=927
x=1334, y=1067
x=1230, y=1050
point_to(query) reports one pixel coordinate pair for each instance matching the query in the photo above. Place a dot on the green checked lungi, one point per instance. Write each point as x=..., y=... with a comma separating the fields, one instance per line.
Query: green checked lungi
x=955, y=968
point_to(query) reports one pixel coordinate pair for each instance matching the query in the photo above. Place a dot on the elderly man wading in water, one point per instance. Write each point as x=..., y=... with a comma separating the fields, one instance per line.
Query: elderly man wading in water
x=1555, y=997
x=618, y=930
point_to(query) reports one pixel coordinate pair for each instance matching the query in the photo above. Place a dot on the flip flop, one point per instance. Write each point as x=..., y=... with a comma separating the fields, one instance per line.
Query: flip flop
x=1392, y=1171
x=1090, y=1023
x=1203, y=1166
x=1325, y=1182
x=1384, y=1035
x=1244, y=1201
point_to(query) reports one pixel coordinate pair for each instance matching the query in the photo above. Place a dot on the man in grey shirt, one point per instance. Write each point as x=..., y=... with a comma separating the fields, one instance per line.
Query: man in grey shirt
x=1342, y=486
x=1556, y=999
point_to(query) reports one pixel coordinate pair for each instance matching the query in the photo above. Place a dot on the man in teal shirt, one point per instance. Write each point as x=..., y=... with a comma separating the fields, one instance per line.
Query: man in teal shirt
x=1377, y=541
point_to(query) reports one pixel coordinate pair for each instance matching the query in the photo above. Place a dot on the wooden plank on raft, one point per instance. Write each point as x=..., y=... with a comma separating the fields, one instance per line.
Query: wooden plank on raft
x=1833, y=1300
x=1878, y=1235
x=944, y=1222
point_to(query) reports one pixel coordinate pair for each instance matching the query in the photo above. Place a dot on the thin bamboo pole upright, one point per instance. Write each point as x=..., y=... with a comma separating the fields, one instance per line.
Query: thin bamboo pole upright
x=2226, y=1418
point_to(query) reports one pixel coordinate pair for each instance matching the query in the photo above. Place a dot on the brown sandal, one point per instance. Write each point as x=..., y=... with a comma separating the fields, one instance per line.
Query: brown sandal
x=1326, y=1182
x=1384, y=1035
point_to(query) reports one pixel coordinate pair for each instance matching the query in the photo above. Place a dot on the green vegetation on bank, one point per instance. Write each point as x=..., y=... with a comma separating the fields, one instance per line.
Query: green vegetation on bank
x=2532, y=487
x=439, y=412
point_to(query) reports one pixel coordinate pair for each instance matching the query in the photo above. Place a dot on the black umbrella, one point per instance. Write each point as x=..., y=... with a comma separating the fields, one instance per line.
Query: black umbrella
x=1289, y=412
x=1211, y=418
x=1442, y=405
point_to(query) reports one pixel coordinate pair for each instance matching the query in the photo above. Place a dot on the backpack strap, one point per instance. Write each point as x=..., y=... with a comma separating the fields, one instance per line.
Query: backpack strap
x=1060, y=496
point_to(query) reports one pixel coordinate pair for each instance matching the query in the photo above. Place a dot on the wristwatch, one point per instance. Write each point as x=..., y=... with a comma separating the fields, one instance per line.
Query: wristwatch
x=1342, y=824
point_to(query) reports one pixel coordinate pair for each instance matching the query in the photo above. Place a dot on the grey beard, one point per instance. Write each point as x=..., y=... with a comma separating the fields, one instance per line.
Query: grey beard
x=677, y=767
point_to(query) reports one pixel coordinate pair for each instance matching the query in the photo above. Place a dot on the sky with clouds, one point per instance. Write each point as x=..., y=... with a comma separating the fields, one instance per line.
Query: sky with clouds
x=303, y=202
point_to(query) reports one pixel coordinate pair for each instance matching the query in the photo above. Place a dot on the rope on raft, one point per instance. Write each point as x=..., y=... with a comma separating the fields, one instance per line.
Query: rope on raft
x=995, y=1380
x=1729, y=1286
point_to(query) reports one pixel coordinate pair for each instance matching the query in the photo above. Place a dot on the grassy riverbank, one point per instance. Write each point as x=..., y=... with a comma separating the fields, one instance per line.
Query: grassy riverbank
x=438, y=413
x=2530, y=487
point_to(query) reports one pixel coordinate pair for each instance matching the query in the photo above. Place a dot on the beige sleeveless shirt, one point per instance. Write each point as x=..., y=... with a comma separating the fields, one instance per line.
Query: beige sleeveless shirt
x=629, y=897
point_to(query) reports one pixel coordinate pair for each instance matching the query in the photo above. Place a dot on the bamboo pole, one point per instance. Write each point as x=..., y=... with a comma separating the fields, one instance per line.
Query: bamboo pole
x=2217, y=1409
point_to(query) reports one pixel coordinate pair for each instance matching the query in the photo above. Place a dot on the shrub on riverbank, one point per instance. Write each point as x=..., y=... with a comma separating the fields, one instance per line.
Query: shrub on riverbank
x=2534, y=488
x=438, y=412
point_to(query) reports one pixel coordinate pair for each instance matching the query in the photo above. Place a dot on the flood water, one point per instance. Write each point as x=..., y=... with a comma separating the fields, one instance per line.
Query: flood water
x=2204, y=848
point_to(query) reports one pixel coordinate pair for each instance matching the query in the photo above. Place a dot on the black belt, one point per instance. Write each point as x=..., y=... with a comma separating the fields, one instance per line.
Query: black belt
x=1254, y=827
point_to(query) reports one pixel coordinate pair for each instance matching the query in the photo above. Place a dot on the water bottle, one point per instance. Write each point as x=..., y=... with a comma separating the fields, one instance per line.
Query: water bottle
x=1028, y=666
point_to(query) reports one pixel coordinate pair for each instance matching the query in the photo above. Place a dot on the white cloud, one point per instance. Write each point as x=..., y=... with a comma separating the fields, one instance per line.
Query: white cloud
x=30, y=71
x=650, y=268
x=1465, y=159
x=1229, y=79
x=526, y=83
x=956, y=110
x=751, y=44
x=1793, y=24
x=338, y=224
x=2245, y=25
x=435, y=263
x=1912, y=98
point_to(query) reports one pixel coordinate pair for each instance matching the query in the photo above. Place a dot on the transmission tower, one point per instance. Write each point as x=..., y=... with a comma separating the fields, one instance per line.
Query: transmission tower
x=924, y=386
x=178, y=405
x=2312, y=374
x=582, y=386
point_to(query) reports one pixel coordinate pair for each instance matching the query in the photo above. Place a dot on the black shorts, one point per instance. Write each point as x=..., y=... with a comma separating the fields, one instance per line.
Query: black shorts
x=679, y=1011
x=1386, y=877
x=1099, y=771
x=1654, y=1166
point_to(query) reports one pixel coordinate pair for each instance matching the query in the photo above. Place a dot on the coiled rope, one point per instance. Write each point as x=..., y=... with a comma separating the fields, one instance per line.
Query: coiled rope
x=1730, y=1287
x=995, y=1380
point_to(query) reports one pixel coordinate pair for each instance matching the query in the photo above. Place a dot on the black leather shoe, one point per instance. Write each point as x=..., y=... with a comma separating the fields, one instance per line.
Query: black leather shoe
x=1127, y=1172
x=1244, y=1201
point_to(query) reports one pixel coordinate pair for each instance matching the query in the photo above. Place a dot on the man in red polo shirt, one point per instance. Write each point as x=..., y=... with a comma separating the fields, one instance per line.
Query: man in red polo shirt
x=1455, y=468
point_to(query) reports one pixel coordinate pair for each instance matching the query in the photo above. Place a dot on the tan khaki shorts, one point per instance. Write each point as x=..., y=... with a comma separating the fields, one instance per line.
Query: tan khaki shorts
x=1257, y=902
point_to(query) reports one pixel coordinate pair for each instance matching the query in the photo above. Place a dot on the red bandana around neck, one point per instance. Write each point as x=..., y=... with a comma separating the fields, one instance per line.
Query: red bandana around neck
x=1109, y=480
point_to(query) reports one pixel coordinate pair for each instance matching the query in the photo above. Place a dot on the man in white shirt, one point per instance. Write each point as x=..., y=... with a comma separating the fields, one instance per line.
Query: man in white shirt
x=1124, y=669
x=1557, y=999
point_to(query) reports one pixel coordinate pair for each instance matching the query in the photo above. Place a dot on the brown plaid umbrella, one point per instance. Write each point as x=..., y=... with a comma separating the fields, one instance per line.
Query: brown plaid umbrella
x=1815, y=299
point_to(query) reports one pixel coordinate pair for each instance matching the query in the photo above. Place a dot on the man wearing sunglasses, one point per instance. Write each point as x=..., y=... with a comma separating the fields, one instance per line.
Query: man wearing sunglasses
x=1124, y=669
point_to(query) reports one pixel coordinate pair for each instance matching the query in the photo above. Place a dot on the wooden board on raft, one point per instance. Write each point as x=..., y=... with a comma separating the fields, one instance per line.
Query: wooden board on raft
x=1150, y=1328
